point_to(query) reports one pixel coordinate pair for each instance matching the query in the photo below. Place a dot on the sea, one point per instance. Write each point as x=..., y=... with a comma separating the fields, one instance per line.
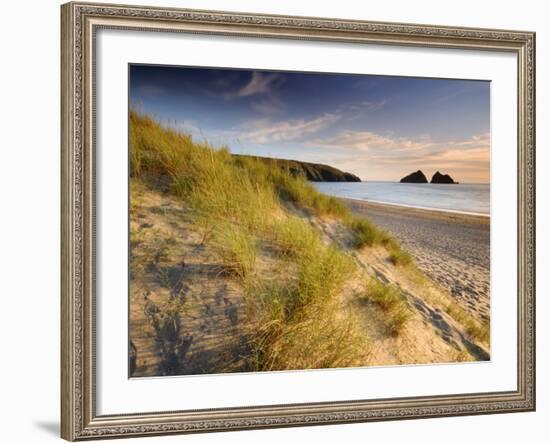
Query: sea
x=469, y=198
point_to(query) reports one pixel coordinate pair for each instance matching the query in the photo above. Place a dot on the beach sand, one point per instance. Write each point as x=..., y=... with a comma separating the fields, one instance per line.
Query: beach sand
x=188, y=317
x=451, y=248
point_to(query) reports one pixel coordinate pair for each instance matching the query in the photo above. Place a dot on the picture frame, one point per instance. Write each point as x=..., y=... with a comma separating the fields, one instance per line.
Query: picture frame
x=80, y=24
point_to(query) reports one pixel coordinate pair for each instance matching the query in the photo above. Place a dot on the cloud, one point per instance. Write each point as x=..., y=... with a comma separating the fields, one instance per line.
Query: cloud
x=259, y=83
x=366, y=140
x=266, y=130
x=477, y=155
x=356, y=110
x=476, y=141
x=262, y=86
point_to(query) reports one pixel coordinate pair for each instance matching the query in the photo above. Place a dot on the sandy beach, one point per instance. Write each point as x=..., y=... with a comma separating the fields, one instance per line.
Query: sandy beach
x=451, y=248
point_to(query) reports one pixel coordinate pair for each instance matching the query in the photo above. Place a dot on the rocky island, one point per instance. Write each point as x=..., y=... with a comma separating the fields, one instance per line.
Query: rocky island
x=414, y=177
x=314, y=172
x=439, y=178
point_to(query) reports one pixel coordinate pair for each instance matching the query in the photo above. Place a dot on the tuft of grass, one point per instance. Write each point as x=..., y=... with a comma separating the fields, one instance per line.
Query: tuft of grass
x=392, y=302
x=398, y=256
x=237, y=250
x=296, y=321
x=325, y=204
x=385, y=296
x=297, y=189
x=366, y=233
x=321, y=273
x=294, y=236
x=398, y=320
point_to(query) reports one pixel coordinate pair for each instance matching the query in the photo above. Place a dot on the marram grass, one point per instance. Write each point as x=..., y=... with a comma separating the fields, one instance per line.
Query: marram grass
x=241, y=203
x=392, y=301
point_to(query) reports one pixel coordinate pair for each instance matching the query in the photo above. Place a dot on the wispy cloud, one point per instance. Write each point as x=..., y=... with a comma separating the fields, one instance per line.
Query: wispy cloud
x=358, y=109
x=267, y=130
x=366, y=140
x=262, y=87
x=259, y=83
x=476, y=141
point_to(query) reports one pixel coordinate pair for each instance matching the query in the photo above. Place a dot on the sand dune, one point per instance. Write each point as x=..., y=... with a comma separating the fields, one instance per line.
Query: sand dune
x=186, y=317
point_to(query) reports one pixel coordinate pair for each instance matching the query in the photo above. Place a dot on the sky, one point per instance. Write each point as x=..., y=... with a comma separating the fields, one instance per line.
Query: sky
x=380, y=128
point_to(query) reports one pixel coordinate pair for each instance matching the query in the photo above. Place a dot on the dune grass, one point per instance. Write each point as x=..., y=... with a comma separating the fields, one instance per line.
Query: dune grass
x=298, y=324
x=318, y=338
x=296, y=189
x=238, y=202
x=398, y=256
x=293, y=236
x=367, y=233
x=392, y=301
x=237, y=249
x=322, y=271
x=242, y=190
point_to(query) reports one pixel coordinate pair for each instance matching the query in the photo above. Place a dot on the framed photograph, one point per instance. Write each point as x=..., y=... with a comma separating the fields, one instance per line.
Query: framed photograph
x=283, y=221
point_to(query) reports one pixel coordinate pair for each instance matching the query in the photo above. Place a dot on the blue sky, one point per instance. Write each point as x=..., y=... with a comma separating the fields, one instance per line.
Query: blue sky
x=378, y=127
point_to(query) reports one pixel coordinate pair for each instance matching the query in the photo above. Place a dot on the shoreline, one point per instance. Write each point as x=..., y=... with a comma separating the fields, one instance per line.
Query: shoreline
x=453, y=249
x=420, y=208
x=431, y=213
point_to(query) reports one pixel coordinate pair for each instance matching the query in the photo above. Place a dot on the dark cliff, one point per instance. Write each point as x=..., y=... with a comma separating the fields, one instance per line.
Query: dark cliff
x=315, y=172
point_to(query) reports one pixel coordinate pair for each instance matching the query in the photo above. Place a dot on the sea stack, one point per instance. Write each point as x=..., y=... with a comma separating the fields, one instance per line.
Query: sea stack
x=414, y=177
x=439, y=178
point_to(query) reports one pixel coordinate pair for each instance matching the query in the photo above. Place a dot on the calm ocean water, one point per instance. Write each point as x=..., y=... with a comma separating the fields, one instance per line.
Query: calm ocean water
x=474, y=198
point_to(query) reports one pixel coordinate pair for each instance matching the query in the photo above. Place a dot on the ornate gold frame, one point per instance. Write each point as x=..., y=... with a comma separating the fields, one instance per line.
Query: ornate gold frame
x=80, y=21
